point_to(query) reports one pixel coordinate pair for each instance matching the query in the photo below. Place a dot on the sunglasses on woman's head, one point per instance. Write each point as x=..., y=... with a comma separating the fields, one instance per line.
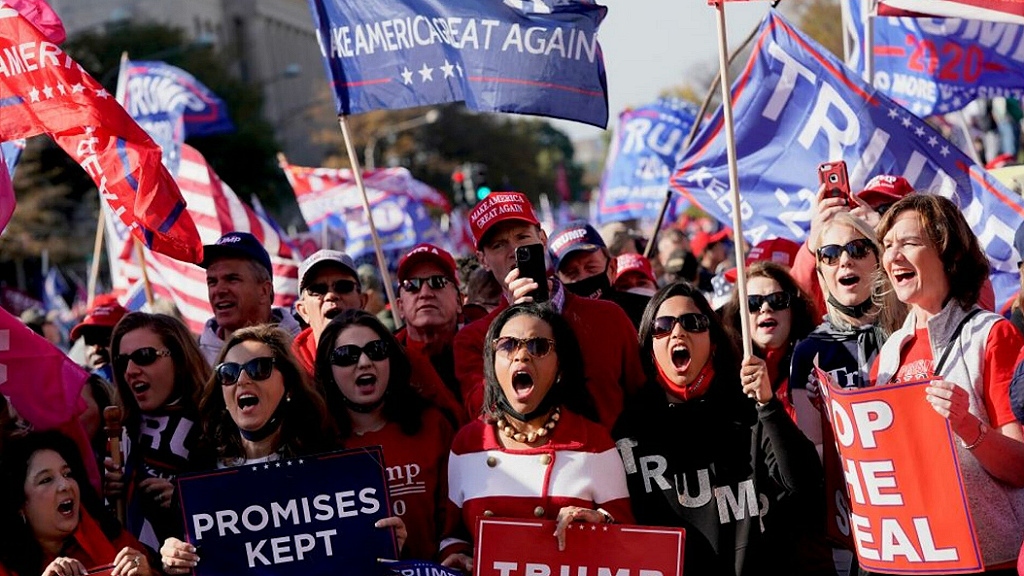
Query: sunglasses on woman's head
x=141, y=357
x=536, y=347
x=338, y=287
x=258, y=369
x=413, y=285
x=693, y=322
x=857, y=249
x=776, y=301
x=348, y=355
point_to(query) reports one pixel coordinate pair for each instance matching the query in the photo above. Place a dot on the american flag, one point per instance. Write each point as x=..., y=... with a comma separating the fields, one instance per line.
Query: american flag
x=216, y=210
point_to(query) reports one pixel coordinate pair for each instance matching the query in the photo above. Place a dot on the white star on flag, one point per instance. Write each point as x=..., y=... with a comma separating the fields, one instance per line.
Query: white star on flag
x=919, y=131
x=406, y=75
x=75, y=89
x=426, y=74
x=893, y=113
x=933, y=141
x=448, y=69
x=944, y=151
x=101, y=93
x=33, y=94
x=47, y=91
x=957, y=101
x=62, y=89
x=906, y=122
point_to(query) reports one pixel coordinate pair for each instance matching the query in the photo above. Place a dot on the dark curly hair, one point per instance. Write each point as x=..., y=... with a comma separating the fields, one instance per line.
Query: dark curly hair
x=305, y=426
x=572, y=385
x=402, y=403
x=965, y=263
x=20, y=552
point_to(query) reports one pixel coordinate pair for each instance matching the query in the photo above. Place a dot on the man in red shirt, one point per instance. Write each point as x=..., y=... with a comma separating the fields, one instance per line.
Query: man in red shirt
x=328, y=285
x=501, y=223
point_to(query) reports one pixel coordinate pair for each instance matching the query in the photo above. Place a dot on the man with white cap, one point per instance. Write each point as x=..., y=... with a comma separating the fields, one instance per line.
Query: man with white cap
x=501, y=223
x=240, y=285
x=328, y=285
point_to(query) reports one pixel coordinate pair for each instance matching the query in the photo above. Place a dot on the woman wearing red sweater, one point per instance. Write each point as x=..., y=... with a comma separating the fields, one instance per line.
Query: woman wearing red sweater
x=365, y=376
x=538, y=451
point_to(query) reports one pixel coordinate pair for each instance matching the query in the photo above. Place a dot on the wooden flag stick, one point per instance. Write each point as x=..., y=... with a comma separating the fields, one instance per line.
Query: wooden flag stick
x=141, y=256
x=112, y=425
x=381, y=262
x=734, y=180
x=97, y=250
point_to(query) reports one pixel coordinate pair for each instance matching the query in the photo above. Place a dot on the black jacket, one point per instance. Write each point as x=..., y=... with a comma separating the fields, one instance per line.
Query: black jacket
x=740, y=479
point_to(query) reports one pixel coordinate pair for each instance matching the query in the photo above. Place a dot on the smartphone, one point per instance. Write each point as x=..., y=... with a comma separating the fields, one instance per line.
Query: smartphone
x=531, y=264
x=834, y=178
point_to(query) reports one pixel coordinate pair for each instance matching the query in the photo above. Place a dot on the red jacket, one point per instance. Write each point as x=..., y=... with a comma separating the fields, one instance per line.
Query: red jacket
x=611, y=355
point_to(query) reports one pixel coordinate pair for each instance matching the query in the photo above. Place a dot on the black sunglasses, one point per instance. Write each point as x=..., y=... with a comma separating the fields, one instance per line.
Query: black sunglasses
x=141, y=357
x=338, y=287
x=413, y=285
x=776, y=301
x=349, y=354
x=258, y=369
x=693, y=322
x=536, y=347
x=857, y=249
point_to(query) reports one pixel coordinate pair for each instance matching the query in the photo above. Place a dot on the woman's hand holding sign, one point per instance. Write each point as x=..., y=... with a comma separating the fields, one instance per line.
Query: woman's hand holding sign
x=952, y=403
x=178, y=557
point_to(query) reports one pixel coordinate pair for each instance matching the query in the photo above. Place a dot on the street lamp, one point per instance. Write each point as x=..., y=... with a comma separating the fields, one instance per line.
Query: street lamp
x=371, y=145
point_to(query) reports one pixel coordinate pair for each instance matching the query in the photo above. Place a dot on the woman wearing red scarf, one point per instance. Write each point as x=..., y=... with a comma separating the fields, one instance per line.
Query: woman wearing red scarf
x=54, y=523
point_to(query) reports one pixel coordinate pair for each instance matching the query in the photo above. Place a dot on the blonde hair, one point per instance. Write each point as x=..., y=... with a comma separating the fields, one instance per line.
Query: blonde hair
x=891, y=312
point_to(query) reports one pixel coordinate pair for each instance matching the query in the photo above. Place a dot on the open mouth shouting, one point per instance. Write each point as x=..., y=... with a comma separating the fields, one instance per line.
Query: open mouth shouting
x=767, y=324
x=902, y=276
x=848, y=280
x=247, y=402
x=522, y=384
x=366, y=384
x=66, y=508
x=140, y=387
x=681, y=357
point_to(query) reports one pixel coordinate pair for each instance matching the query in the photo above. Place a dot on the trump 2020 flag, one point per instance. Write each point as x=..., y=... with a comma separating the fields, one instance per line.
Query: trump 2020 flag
x=524, y=56
x=170, y=104
x=796, y=106
x=43, y=90
x=939, y=65
x=646, y=148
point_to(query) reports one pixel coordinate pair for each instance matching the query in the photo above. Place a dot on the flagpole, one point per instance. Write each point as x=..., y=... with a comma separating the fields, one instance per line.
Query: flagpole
x=734, y=180
x=97, y=249
x=649, y=250
x=869, y=46
x=145, y=275
x=381, y=262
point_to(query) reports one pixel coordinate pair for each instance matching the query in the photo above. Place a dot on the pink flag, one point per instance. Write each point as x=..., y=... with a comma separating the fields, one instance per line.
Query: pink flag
x=1011, y=11
x=6, y=194
x=43, y=384
x=42, y=16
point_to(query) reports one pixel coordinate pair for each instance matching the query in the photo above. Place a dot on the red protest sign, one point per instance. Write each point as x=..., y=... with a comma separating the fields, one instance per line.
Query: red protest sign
x=527, y=548
x=908, y=506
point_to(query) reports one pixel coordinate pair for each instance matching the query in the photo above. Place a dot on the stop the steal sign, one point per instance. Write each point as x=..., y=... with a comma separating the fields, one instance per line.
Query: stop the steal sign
x=527, y=548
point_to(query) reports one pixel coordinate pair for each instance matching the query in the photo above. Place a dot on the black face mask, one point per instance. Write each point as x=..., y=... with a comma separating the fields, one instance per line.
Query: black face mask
x=596, y=287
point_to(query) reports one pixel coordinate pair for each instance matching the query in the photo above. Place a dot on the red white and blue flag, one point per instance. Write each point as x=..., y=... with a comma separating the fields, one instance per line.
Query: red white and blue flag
x=43, y=90
x=1011, y=11
x=537, y=57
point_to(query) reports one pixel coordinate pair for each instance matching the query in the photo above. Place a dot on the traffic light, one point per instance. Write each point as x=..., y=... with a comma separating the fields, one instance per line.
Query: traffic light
x=478, y=181
x=458, y=185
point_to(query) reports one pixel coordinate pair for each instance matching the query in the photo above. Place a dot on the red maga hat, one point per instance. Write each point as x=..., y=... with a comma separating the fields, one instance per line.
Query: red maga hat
x=499, y=207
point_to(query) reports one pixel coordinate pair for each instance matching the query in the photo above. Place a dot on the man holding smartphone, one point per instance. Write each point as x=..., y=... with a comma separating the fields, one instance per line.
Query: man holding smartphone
x=501, y=224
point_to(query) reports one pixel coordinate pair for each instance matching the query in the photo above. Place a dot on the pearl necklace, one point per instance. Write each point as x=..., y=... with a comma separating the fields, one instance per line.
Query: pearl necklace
x=531, y=437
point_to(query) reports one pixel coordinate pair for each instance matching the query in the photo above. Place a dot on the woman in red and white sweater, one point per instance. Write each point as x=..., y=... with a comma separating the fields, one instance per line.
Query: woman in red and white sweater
x=537, y=451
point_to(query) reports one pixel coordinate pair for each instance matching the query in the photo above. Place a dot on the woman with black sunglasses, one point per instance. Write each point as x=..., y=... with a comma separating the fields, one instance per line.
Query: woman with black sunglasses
x=537, y=451
x=159, y=372
x=365, y=376
x=700, y=455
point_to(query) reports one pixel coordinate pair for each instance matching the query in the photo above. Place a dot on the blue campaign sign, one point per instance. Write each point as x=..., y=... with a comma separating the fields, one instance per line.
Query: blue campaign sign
x=795, y=106
x=171, y=104
x=525, y=56
x=646, y=148
x=401, y=223
x=306, y=516
x=939, y=65
x=11, y=151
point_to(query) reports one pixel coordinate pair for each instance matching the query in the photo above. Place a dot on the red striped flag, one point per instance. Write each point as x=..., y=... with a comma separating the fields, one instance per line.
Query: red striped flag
x=1011, y=11
x=216, y=210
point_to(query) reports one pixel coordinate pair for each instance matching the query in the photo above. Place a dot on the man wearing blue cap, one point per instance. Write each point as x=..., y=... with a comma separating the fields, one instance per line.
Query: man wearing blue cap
x=586, y=268
x=240, y=286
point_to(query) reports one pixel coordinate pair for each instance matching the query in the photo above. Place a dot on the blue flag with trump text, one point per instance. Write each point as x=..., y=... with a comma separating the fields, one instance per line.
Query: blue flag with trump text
x=795, y=106
x=525, y=56
x=647, y=145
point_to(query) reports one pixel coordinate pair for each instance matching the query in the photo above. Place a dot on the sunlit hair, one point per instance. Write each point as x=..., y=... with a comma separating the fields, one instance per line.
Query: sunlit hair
x=20, y=552
x=891, y=312
x=402, y=404
x=725, y=357
x=190, y=368
x=965, y=263
x=802, y=319
x=305, y=425
x=570, y=384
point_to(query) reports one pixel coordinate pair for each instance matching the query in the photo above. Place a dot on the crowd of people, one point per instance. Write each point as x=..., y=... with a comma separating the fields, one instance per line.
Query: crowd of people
x=623, y=397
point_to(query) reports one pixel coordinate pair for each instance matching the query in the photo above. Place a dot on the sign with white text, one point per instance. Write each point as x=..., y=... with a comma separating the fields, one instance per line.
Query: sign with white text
x=527, y=548
x=304, y=516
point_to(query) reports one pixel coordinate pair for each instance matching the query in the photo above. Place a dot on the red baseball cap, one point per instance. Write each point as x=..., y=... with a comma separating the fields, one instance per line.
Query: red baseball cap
x=106, y=312
x=885, y=189
x=778, y=250
x=428, y=253
x=499, y=207
x=701, y=240
x=633, y=263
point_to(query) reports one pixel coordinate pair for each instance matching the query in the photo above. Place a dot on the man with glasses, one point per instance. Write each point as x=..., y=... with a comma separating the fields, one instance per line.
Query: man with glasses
x=95, y=330
x=240, y=285
x=328, y=285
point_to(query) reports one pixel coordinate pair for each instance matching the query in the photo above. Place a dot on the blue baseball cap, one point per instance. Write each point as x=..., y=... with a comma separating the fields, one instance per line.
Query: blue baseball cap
x=572, y=237
x=237, y=245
